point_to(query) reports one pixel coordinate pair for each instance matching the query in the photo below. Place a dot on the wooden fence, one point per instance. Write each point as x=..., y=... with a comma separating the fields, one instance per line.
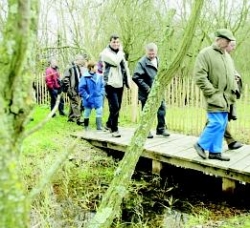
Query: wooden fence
x=185, y=112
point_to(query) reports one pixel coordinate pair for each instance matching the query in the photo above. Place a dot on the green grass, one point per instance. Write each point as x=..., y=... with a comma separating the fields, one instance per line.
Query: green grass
x=78, y=185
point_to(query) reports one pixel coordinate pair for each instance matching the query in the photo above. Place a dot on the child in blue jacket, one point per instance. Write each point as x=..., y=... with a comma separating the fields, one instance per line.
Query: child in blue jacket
x=91, y=90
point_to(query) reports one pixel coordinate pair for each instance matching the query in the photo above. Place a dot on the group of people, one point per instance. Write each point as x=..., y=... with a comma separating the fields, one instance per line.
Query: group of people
x=88, y=82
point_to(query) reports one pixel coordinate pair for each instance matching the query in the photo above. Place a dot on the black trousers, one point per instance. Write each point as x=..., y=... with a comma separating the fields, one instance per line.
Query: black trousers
x=161, y=113
x=53, y=96
x=114, y=97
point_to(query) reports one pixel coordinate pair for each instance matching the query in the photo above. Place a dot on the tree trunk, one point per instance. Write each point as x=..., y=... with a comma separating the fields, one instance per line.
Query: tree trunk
x=117, y=190
x=16, y=102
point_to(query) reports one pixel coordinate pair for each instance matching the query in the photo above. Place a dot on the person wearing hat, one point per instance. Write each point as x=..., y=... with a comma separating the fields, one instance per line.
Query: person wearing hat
x=214, y=75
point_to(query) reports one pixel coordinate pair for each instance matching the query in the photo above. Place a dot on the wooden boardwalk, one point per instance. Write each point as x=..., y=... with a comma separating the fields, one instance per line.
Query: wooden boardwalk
x=178, y=150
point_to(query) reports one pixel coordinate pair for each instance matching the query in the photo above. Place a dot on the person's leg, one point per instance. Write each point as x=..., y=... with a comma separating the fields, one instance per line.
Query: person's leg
x=81, y=107
x=75, y=105
x=86, y=114
x=161, y=113
x=114, y=108
x=143, y=102
x=231, y=142
x=99, y=118
x=211, y=138
x=119, y=93
x=228, y=136
x=61, y=106
x=53, y=96
x=71, y=117
x=108, y=91
x=161, y=125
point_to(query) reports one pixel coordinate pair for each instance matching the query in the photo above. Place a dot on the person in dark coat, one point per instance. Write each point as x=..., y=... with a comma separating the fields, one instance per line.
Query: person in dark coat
x=71, y=82
x=144, y=75
x=52, y=79
x=91, y=90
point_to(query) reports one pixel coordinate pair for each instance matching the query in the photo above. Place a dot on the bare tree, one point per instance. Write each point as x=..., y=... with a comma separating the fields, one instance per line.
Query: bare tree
x=117, y=190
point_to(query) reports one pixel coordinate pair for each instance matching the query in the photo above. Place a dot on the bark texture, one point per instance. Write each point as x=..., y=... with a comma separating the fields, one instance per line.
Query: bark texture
x=16, y=102
x=117, y=190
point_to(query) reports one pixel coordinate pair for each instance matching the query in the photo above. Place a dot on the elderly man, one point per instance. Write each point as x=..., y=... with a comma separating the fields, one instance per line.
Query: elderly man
x=214, y=75
x=144, y=76
x=71, y=81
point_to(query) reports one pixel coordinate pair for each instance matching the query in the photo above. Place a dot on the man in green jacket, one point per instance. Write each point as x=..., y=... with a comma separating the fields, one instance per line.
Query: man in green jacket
x=214, y=75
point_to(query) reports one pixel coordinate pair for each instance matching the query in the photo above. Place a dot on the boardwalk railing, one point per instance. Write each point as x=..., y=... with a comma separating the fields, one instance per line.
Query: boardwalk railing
x=185, y=112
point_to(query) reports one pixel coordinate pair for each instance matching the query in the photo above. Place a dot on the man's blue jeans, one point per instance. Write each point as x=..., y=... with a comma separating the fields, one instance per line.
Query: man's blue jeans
x=211, y=139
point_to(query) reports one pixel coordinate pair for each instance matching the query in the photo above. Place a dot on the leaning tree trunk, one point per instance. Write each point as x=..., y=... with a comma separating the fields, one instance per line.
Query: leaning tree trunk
x=15, y=105
x=112, y=199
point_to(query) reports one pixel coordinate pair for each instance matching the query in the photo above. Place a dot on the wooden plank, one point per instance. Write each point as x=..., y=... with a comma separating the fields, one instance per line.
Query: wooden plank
x=153, y=142
x=178, y=150
x=240, y=159
x=190, y=156
x=158, y=140
x=247, y=169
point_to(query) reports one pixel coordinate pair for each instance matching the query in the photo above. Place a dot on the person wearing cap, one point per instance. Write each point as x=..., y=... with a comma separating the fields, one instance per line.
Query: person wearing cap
x=71, y=81
x=144, y=75
x=214, y=75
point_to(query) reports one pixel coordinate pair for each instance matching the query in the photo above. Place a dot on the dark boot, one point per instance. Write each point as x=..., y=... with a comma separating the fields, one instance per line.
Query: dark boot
x=86, y=124
x=163, y=132
x=99, y=123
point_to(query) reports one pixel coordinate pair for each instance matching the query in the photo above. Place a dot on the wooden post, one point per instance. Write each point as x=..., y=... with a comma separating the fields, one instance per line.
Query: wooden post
x=228, y=185
x=156, y=167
